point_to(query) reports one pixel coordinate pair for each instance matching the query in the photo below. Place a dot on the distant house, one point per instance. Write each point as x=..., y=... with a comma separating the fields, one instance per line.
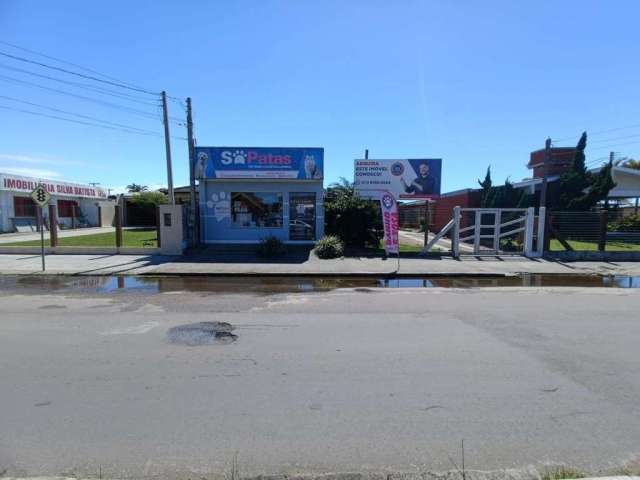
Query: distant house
x=77, y=205
x=181, y=194
x=560, y=160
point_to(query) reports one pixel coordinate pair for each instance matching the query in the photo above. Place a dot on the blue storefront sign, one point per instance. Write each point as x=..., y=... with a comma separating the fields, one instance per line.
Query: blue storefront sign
x=259, y=163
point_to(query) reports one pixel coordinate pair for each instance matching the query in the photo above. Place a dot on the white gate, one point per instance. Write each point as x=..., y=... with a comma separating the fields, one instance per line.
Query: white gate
x=509, y=231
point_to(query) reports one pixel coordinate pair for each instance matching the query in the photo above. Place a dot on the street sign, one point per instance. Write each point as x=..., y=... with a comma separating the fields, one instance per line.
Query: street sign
x=40, y=195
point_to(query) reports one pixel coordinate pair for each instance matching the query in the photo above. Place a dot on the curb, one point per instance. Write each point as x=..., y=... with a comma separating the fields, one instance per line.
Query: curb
x=508, y=474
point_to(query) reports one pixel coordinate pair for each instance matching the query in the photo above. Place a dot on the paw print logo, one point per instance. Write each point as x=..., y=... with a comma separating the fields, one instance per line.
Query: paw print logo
x=220, y=203
x=239, y=156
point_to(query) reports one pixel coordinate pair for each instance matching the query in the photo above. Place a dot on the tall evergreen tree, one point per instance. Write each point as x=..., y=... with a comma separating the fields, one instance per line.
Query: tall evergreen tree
x=487, y=188
x=578, y=189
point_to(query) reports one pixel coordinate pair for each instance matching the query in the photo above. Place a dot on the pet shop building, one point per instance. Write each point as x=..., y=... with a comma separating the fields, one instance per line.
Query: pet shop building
x=250, y=193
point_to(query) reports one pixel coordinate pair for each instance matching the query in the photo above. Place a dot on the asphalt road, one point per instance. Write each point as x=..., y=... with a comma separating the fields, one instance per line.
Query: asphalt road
x=341, y=381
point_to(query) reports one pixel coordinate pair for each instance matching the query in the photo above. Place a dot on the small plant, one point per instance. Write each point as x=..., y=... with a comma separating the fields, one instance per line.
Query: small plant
x=329, y=246
x=562, y=473
x=630, y=223
x=270, y=247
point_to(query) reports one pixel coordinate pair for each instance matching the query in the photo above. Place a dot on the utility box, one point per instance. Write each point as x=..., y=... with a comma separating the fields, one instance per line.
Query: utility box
x=173, y=235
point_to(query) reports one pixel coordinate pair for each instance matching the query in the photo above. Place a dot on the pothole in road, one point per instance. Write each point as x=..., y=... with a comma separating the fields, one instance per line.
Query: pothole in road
x=202, y=333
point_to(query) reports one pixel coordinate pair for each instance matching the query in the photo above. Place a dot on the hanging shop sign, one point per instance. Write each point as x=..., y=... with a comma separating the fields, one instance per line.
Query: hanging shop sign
x=259, y=163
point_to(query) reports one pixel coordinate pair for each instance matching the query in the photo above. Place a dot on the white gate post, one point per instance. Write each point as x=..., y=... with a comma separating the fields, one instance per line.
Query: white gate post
x=497, y=222
x=476, y=232
x=542, y=219
x=455, y=244
x=528, y=233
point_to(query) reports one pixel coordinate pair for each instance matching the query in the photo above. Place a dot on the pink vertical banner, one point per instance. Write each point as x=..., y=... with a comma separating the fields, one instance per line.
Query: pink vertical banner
x=389, y=208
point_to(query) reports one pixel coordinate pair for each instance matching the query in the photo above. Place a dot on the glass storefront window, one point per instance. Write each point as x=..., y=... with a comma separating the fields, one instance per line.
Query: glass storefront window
x=302, y=216
x=256, y=210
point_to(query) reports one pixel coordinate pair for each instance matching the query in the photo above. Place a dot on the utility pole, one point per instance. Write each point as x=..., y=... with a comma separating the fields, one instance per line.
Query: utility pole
x=193, y=217
x=167, y=146
x=545, y=170
x=611, y=158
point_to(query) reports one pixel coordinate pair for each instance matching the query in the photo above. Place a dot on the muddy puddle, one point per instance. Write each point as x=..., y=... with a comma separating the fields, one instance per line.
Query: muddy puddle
x=270, y=285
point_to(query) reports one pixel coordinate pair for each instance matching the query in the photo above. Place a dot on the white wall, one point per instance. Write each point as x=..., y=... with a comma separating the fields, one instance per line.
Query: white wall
x=6, y=211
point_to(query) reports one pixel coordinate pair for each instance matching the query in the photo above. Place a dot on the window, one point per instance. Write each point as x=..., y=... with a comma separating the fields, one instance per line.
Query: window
x=66, y=208
x=256, y=210
x=302, y=216
x=24, y=207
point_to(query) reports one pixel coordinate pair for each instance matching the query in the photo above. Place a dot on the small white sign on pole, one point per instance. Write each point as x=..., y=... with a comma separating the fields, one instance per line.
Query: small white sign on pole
x=41, y=197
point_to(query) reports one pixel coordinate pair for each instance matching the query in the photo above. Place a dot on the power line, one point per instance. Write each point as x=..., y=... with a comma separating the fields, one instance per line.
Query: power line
x=78, y=115
x=89, y=99
x=40, y=114
x=90, y=77
x=56, y=117
x=616, y=145
x=600, y=132
x=616, y=138
x=83, y=85
x=71, y=64
x=112, y=81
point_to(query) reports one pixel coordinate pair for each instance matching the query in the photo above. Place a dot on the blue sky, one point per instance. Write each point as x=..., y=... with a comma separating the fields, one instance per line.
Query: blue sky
x=473, y=82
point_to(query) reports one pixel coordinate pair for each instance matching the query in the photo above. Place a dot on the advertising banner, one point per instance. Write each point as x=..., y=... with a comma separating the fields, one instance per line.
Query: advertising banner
x=27, y=185
x=259, y=163
x=389, y=208
x=404, y=179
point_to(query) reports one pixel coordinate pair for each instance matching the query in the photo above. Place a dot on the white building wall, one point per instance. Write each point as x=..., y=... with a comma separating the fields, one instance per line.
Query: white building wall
x=6, y=211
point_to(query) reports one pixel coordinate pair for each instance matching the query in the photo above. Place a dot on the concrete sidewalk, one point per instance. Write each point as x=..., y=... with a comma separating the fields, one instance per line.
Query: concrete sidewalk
x=352, y=266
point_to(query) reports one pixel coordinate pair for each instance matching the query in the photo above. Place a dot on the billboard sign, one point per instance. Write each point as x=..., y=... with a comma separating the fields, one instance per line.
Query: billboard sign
x=259, y=163
x=404, y=179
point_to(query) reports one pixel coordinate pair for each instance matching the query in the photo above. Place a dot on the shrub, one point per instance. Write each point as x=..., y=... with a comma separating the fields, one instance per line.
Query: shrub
x=329, y=246
x=270, y=247
x=630, y=223
x=148, y=199
x=355, y=220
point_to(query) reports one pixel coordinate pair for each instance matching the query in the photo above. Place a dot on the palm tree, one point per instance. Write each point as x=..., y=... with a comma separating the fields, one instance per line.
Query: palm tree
x=135, y=188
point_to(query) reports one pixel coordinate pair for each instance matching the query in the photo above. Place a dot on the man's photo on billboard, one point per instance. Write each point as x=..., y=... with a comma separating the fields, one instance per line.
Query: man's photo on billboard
x=426, y=181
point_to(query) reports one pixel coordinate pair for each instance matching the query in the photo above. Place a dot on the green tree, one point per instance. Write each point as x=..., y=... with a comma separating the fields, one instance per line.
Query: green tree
x=135, y=188
x=578, y=189
x=508, y=196
x=355, y=220
x=504, y=196
x=487, y=189
x=148, y=199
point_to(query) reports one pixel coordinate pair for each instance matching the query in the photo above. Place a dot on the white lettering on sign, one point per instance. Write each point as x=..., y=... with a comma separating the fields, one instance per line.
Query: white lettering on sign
x=26, y=184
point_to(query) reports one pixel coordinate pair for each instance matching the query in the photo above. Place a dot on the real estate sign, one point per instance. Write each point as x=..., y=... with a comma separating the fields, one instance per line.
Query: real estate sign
x=53, y=187
x=404, y=179
x=259, y=162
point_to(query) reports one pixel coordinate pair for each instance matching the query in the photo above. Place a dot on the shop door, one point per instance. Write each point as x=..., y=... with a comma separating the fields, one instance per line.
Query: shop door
x=302, y=216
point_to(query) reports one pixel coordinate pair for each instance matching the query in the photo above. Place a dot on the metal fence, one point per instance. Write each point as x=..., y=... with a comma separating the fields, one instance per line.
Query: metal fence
x=593, y=231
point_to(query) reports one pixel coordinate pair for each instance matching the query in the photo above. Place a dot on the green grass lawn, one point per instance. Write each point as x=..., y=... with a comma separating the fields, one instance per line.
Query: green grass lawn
x=578, y=245
x=138, y=237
